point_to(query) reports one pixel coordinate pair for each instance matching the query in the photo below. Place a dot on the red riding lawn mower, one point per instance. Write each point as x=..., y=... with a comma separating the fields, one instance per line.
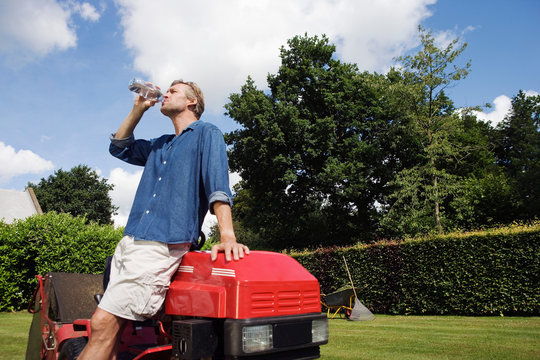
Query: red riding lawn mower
x=265, y=306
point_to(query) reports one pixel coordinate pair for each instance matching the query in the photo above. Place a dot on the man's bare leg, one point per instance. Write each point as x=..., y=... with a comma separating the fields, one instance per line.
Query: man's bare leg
x=103, y=339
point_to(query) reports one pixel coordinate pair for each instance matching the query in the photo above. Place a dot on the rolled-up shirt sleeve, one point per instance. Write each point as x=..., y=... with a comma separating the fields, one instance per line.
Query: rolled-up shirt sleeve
x=130, y=150
x=220, y=196
x=122, y=143
x=215, y=169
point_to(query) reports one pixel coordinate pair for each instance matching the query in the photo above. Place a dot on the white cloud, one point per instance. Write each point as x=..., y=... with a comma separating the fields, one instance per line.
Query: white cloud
x=125, y=186
x=234, y=178
x=44, y=138
x=219, y=43
x=85, y=10
x=445, y=37
x=531, y=93
x=14, y=163
x=209, y=221
x=34, y=28
x=501, y=107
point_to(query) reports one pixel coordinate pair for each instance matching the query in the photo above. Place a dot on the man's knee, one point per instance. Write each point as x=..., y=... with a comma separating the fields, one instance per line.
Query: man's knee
x=105, y=324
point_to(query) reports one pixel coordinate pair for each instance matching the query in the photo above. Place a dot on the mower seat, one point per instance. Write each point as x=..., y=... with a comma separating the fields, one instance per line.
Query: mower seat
x=73, y=295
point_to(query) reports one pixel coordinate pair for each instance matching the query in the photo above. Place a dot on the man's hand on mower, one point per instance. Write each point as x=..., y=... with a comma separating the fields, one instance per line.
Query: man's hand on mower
x=228, y=240
x=238, y=250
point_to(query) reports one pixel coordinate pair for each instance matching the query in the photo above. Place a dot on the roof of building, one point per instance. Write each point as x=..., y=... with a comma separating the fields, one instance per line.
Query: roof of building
x=16, y=205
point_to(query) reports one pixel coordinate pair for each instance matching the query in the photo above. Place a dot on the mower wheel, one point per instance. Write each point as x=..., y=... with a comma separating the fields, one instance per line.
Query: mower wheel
x=72, y=348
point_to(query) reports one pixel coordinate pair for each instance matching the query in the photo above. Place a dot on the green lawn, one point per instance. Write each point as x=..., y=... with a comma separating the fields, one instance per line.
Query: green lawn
x=434, y=337
x=386, y=337
x=13, y=334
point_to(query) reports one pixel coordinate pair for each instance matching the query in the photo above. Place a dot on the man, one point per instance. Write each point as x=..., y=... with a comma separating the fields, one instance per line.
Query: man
x=185, y=175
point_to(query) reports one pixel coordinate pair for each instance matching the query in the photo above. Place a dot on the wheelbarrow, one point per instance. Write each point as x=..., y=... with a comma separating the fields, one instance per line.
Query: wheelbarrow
x=340, y=302
x=345, y=302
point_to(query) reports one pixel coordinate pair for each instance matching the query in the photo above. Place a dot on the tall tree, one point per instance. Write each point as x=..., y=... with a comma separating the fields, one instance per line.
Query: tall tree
x=519, y=152
x=79, y=192
x=485, y=196
x=309, y=150
x=421, y=190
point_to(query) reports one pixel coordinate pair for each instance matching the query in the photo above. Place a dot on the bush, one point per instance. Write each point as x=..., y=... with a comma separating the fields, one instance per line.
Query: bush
x=493, y=272
x=49, y=242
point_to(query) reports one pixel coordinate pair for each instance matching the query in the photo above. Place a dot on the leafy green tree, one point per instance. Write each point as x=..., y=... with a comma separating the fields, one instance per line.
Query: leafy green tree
x=488, y=199
x=79, y=192
x=485, y=195
x=519, y=152
x=309, y=150
x=477, y=156
x=417, y=203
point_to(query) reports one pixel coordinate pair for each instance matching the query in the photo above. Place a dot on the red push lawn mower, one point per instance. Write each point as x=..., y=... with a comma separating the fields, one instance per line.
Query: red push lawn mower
x=265, y=306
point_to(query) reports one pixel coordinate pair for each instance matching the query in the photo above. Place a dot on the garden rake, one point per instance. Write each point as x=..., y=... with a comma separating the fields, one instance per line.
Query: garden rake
x=359, y=311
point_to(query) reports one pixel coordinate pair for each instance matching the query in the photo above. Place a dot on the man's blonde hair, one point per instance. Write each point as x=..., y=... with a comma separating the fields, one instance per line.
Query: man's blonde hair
x=193, y=92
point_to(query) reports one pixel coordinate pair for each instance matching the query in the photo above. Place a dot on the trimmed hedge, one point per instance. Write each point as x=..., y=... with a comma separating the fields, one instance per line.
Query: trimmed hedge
x=49, y=242
x=493, y=272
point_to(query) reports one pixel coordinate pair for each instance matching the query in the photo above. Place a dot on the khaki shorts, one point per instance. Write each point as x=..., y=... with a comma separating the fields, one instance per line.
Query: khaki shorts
x=141, y=272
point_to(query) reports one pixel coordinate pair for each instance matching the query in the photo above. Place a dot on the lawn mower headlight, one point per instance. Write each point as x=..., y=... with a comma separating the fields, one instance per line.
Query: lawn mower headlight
x=257, y=338
x=319, y=330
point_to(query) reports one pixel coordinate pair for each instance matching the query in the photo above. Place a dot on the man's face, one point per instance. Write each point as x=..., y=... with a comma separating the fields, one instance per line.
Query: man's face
x=175, y=100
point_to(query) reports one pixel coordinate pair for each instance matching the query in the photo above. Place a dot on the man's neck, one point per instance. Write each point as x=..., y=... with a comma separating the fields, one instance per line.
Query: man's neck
x=182, y=121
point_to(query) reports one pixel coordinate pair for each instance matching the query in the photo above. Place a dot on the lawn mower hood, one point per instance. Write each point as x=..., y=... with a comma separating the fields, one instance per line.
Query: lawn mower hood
x=261, y=284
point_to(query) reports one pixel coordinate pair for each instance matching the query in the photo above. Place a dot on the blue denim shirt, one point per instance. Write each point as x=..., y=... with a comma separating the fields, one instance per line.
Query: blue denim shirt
x=183, y=176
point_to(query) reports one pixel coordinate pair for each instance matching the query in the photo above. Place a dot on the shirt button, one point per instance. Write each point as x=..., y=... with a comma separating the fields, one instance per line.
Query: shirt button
x=164, y=162
x=159, y=179
x=154, y=195
x=148, y=211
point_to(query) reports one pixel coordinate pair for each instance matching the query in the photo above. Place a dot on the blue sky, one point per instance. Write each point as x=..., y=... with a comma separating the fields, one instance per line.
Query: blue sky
x=65, y=64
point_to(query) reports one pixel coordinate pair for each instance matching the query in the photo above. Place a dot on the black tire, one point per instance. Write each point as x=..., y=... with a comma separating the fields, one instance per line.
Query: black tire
x=72, y=348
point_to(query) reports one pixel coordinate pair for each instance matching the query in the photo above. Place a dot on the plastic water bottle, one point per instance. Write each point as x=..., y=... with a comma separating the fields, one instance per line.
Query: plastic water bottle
x=145, y=89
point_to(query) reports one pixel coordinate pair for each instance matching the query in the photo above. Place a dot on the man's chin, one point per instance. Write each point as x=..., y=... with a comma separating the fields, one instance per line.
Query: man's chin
x=165, y=111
